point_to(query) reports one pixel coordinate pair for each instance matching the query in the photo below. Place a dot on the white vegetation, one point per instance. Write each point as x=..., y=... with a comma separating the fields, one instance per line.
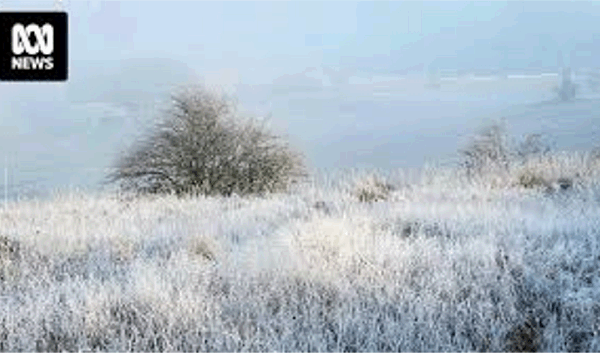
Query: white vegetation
x=440, y=262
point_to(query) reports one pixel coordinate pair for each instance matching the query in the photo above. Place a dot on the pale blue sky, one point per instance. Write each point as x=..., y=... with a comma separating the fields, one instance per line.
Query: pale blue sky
x=124, y=56
x=268, y=39
x=248, y=30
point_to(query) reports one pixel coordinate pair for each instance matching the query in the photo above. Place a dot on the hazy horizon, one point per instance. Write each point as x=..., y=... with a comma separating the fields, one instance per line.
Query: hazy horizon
x=345, y=81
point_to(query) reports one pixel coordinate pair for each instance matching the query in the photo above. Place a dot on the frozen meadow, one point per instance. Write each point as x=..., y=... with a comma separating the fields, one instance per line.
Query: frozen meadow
x=412, y=260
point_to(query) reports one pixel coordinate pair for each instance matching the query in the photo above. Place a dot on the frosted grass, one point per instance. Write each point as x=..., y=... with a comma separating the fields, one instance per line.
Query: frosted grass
x=444, y=263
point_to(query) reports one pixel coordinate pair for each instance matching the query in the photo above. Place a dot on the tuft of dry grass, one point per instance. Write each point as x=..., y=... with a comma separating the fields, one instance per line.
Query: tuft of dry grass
x=18, y=261
x=525, y=337
x=9, y=258
x=530, y=180
x=372, y=189
x=204, y=248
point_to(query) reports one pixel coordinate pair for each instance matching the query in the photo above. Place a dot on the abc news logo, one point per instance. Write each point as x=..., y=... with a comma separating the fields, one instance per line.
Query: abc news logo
x=44, y=43
x=38, y=46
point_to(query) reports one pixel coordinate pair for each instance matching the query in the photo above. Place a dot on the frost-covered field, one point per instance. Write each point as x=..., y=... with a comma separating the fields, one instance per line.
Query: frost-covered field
x=439, y=263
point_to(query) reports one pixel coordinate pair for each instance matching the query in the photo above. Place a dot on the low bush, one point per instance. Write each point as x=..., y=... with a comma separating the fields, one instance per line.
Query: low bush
x=488, y=150
x=202, y=147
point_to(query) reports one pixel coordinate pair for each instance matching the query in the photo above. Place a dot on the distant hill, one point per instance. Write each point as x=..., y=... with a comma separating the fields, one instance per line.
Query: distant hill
x=523, y=35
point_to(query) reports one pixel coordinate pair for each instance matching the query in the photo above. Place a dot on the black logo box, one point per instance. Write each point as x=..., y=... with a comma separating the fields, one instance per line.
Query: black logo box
x=59, y=21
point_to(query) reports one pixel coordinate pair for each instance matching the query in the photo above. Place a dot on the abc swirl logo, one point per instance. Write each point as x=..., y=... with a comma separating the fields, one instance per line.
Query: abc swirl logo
x=44, y=39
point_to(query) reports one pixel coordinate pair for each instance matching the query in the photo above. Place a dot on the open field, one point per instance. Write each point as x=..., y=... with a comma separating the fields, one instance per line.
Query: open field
x=428, y=260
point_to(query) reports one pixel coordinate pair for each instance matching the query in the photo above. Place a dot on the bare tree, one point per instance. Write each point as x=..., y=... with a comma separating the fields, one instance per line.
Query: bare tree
x=202, y=147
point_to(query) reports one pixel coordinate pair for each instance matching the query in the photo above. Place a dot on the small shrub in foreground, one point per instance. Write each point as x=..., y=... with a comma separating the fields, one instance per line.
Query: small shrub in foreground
x=201, y=147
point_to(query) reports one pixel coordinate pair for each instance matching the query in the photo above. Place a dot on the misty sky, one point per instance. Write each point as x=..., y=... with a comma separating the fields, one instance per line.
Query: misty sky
x=252, y=36
x=258, y=41
x=311, y=64
x=255, y=38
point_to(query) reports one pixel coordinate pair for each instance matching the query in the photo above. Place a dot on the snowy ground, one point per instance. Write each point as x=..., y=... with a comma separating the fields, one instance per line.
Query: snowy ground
x=444, y=263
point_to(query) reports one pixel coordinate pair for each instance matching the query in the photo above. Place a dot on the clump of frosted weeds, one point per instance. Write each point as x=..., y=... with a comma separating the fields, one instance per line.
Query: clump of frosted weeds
x=373, y=188
x=557, y=172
